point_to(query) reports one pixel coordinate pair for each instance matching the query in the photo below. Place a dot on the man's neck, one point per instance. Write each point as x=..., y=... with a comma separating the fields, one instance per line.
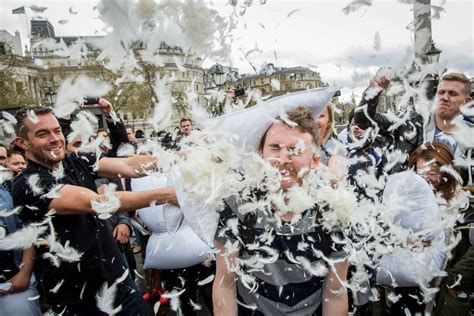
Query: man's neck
x=444, y=124
x=48, y=164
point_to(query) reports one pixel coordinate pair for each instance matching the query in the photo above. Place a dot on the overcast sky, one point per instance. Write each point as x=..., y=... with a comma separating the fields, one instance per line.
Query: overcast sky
x=312, y=33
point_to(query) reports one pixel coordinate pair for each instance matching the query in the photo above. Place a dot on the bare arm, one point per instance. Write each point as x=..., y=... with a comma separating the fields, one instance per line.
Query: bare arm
x=334, y=302
x=77, y=200
x=130, y=167
x=224, y=289
x=21, y=280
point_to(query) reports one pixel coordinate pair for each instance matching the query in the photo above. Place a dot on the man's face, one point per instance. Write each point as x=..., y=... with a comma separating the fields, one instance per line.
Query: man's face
x=44, y=142
x=3, y=156
x=186, y=127
x=16, y=163
x=450, y=97
x=130, y=134
x=291, y=152
x=74, y=144
x=356, y=131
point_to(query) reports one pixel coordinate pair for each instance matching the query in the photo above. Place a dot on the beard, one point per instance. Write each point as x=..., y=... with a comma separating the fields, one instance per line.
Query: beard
x=49, y=155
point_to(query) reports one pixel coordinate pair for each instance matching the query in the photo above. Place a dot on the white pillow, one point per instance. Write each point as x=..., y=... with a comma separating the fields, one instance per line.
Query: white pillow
x=179, y=249
x=419, y=211
x=183, y=249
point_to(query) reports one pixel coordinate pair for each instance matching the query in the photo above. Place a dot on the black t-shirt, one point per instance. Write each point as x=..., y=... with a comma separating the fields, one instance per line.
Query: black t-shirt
x=101, y=260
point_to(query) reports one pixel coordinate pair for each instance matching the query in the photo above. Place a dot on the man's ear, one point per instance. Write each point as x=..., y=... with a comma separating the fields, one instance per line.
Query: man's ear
x=21, y=142
x=315, y=162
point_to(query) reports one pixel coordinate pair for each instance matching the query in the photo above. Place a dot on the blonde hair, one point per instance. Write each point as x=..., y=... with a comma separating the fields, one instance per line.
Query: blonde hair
x=330, y=129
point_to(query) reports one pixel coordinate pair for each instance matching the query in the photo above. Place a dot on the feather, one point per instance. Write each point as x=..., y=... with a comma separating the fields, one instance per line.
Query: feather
x=63, y=21
x=6, y=213
x=23, y=238
x=32, y=116
x=108, y=203
x=105, y=298
x=292, y=12
x=377, y=41
x=71, y=11
x=34, y=183
x=38, y=9
x=356, y=5
x=125, y=150
x=55, y=289
x=195, y=306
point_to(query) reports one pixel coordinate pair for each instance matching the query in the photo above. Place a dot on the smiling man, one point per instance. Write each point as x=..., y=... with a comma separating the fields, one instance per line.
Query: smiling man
x=75, y=222
x=269, y=274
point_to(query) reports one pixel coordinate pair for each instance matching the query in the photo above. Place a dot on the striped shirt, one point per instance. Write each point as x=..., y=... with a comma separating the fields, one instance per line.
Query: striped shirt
x=282, y=271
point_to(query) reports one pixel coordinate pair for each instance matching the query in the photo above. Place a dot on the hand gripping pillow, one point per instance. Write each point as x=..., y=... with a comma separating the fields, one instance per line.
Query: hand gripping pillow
x=164, y=250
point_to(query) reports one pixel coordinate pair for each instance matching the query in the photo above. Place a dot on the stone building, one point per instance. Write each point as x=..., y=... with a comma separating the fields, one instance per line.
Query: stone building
x=53, y=58
x=276, y=81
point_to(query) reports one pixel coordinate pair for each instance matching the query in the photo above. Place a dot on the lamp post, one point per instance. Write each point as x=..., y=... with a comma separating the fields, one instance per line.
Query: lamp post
x=50, y=95
x=433, y=56
x=219, y=76
x=219, y=79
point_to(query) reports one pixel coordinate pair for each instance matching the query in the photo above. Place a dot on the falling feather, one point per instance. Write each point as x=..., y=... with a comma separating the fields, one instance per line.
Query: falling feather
x=55, y=289
x=292, y=12
x=105, y=298
x=6, y=213
x=108, y=202
x=38, y=9
x=71, y=10
x=63, y=21
x=34, y=183
x=377, y=42
x=195, y=306
x=23, y=238
x=356, y=5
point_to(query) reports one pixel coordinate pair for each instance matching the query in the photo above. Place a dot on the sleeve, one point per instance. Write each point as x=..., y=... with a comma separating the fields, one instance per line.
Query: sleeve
x=89, y=161
x=124, y=218
x=381, y=119
x=35, y=204
x=118, y=136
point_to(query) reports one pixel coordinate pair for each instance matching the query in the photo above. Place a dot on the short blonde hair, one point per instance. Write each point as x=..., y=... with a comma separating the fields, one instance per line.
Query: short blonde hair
x=460, y=77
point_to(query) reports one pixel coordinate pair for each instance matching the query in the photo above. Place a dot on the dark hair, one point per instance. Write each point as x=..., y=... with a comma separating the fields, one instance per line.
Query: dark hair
x=20, y=115
x=15, y=147
x=185, y=119
x=442, y=156
x=139, y=134
x=306, y=124
x=15, y=152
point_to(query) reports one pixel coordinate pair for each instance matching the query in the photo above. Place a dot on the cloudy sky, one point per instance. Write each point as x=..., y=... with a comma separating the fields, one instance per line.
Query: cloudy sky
x=313, y=33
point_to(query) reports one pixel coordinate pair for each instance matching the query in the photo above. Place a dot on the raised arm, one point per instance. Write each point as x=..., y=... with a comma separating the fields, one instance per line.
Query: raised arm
x=335, y=302
x=77, y=200
x=224, y=289
x=370, y=99
x=130, y=167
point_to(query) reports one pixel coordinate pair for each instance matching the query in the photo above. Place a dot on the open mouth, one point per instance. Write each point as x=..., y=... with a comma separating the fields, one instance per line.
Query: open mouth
x=55, y=151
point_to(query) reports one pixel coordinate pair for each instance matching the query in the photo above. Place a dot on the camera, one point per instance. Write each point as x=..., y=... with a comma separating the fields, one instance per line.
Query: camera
x=91, y=100
x=239, y=91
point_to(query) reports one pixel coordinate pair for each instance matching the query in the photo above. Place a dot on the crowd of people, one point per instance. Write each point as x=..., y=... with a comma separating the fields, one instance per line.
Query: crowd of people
x=73, y=220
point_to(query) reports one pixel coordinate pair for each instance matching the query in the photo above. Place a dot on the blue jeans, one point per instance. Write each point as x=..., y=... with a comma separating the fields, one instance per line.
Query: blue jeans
x=127, y=295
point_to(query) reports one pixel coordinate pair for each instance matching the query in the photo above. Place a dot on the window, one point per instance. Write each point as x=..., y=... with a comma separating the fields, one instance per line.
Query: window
x=19, y=87
x=2, y=49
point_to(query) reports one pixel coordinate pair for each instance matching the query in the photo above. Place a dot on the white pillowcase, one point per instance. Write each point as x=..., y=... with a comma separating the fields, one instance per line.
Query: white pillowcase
x=168, y=250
